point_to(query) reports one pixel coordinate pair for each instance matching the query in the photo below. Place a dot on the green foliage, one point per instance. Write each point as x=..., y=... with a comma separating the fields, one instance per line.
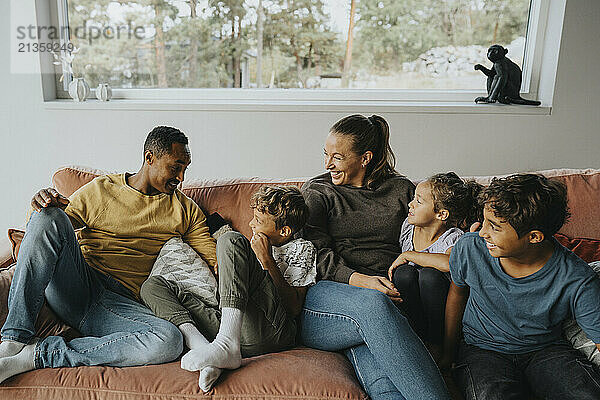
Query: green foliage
x=390, y=32
x=208, y=43
x=299, y=29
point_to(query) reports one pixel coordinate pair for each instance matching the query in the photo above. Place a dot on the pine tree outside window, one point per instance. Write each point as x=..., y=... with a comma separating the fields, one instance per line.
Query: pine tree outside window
x=359, y=49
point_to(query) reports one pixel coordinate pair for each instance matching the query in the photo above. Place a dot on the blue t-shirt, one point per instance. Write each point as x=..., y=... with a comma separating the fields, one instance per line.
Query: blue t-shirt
x=518, y=315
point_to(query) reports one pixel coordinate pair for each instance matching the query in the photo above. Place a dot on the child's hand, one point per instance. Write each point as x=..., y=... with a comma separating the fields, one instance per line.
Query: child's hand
x=261, y=247
x=401, y=260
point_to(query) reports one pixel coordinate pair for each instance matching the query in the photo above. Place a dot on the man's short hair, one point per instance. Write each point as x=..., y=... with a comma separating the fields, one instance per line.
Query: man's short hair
x=285, y=203
x=160, y=140
x=528, y=202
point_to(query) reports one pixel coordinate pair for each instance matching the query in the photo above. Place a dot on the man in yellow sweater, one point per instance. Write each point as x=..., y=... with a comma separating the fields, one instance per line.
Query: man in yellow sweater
x=93, y=284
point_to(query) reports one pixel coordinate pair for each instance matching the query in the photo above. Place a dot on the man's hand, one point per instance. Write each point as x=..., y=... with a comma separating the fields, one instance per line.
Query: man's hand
x=261, y=247
x=401, y=260
x=48, y=198
x=380, y=283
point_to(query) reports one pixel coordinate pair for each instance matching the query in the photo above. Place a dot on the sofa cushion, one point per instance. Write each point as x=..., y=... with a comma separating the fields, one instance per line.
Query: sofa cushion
x=583, y=191
x=16, y=237
x=68, y=179
x=47, y=324
x=178, y=263
x=298, y=373
x=231, y=198
x=586, y=249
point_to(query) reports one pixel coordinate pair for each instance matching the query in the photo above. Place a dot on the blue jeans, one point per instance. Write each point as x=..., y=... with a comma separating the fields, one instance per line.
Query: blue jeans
x=118, y=331
x=556, y=372
x=390, y=360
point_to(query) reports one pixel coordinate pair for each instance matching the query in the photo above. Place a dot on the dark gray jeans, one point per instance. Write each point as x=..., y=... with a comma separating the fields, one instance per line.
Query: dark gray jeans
x=243, y=284
x=556, y=372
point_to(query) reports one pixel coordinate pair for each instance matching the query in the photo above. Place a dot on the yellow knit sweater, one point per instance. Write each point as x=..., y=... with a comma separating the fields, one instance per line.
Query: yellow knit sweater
x=125, y=229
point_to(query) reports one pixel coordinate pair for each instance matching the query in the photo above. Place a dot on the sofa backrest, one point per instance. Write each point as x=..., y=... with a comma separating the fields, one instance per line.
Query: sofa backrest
x=231, y=198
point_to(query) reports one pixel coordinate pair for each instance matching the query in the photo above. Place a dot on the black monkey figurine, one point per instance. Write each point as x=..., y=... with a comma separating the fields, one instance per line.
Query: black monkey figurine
x=503, y=80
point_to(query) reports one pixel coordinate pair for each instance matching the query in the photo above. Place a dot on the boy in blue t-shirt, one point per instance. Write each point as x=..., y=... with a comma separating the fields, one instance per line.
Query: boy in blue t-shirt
x=512, y=286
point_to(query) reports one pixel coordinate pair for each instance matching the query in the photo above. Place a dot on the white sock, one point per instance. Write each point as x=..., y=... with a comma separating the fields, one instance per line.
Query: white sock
x=21, y=362
x=194, y=339
x=192, y=336
x=224, y=351
x=208, y=377
x=10, y=348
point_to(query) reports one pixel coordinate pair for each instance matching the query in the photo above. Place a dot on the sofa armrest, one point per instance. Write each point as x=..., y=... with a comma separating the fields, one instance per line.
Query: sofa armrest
x=6, y=258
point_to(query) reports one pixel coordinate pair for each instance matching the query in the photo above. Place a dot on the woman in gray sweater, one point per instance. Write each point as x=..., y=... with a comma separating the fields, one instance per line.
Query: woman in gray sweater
x=356, y=212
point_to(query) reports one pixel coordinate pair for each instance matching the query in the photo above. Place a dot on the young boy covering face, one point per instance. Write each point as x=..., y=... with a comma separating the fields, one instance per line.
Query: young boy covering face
x=262, y=284
x=516, y=285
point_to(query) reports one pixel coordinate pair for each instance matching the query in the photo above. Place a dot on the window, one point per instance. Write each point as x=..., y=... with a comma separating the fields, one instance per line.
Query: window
x=370, y=49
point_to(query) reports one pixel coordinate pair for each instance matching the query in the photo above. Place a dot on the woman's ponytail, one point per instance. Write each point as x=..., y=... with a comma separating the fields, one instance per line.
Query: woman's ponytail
x=382, y=165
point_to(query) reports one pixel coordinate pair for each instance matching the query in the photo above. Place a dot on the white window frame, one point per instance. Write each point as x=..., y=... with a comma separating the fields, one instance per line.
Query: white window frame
x=265, y=98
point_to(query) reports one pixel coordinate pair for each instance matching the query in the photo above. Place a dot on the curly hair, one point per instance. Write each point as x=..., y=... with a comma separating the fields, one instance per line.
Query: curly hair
x=285, y=203
x=459, y=197
x=528, y=202
x=160, y=140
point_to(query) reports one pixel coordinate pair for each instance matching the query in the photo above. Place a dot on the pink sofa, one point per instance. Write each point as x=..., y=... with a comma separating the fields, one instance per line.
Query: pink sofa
x=300, y=373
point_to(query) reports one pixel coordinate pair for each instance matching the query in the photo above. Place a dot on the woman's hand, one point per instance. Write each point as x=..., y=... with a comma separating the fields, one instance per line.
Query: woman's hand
x=401, y=260
x=379, y=283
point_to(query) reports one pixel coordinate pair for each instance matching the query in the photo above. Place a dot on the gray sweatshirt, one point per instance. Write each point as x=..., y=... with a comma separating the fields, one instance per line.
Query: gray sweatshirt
x=355, y=229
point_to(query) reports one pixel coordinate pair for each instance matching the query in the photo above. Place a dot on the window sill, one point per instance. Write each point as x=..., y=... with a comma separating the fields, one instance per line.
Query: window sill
x=299, y=106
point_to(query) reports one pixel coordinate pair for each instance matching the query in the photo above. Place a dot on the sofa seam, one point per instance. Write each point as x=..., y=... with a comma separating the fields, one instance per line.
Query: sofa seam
x=156, y=394
x=216, y=186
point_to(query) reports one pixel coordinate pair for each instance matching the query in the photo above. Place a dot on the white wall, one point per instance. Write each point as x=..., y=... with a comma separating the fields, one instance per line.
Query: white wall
x=35, y=140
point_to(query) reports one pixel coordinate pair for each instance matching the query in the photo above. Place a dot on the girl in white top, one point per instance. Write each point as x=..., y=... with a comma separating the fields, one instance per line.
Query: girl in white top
x=443, y=206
